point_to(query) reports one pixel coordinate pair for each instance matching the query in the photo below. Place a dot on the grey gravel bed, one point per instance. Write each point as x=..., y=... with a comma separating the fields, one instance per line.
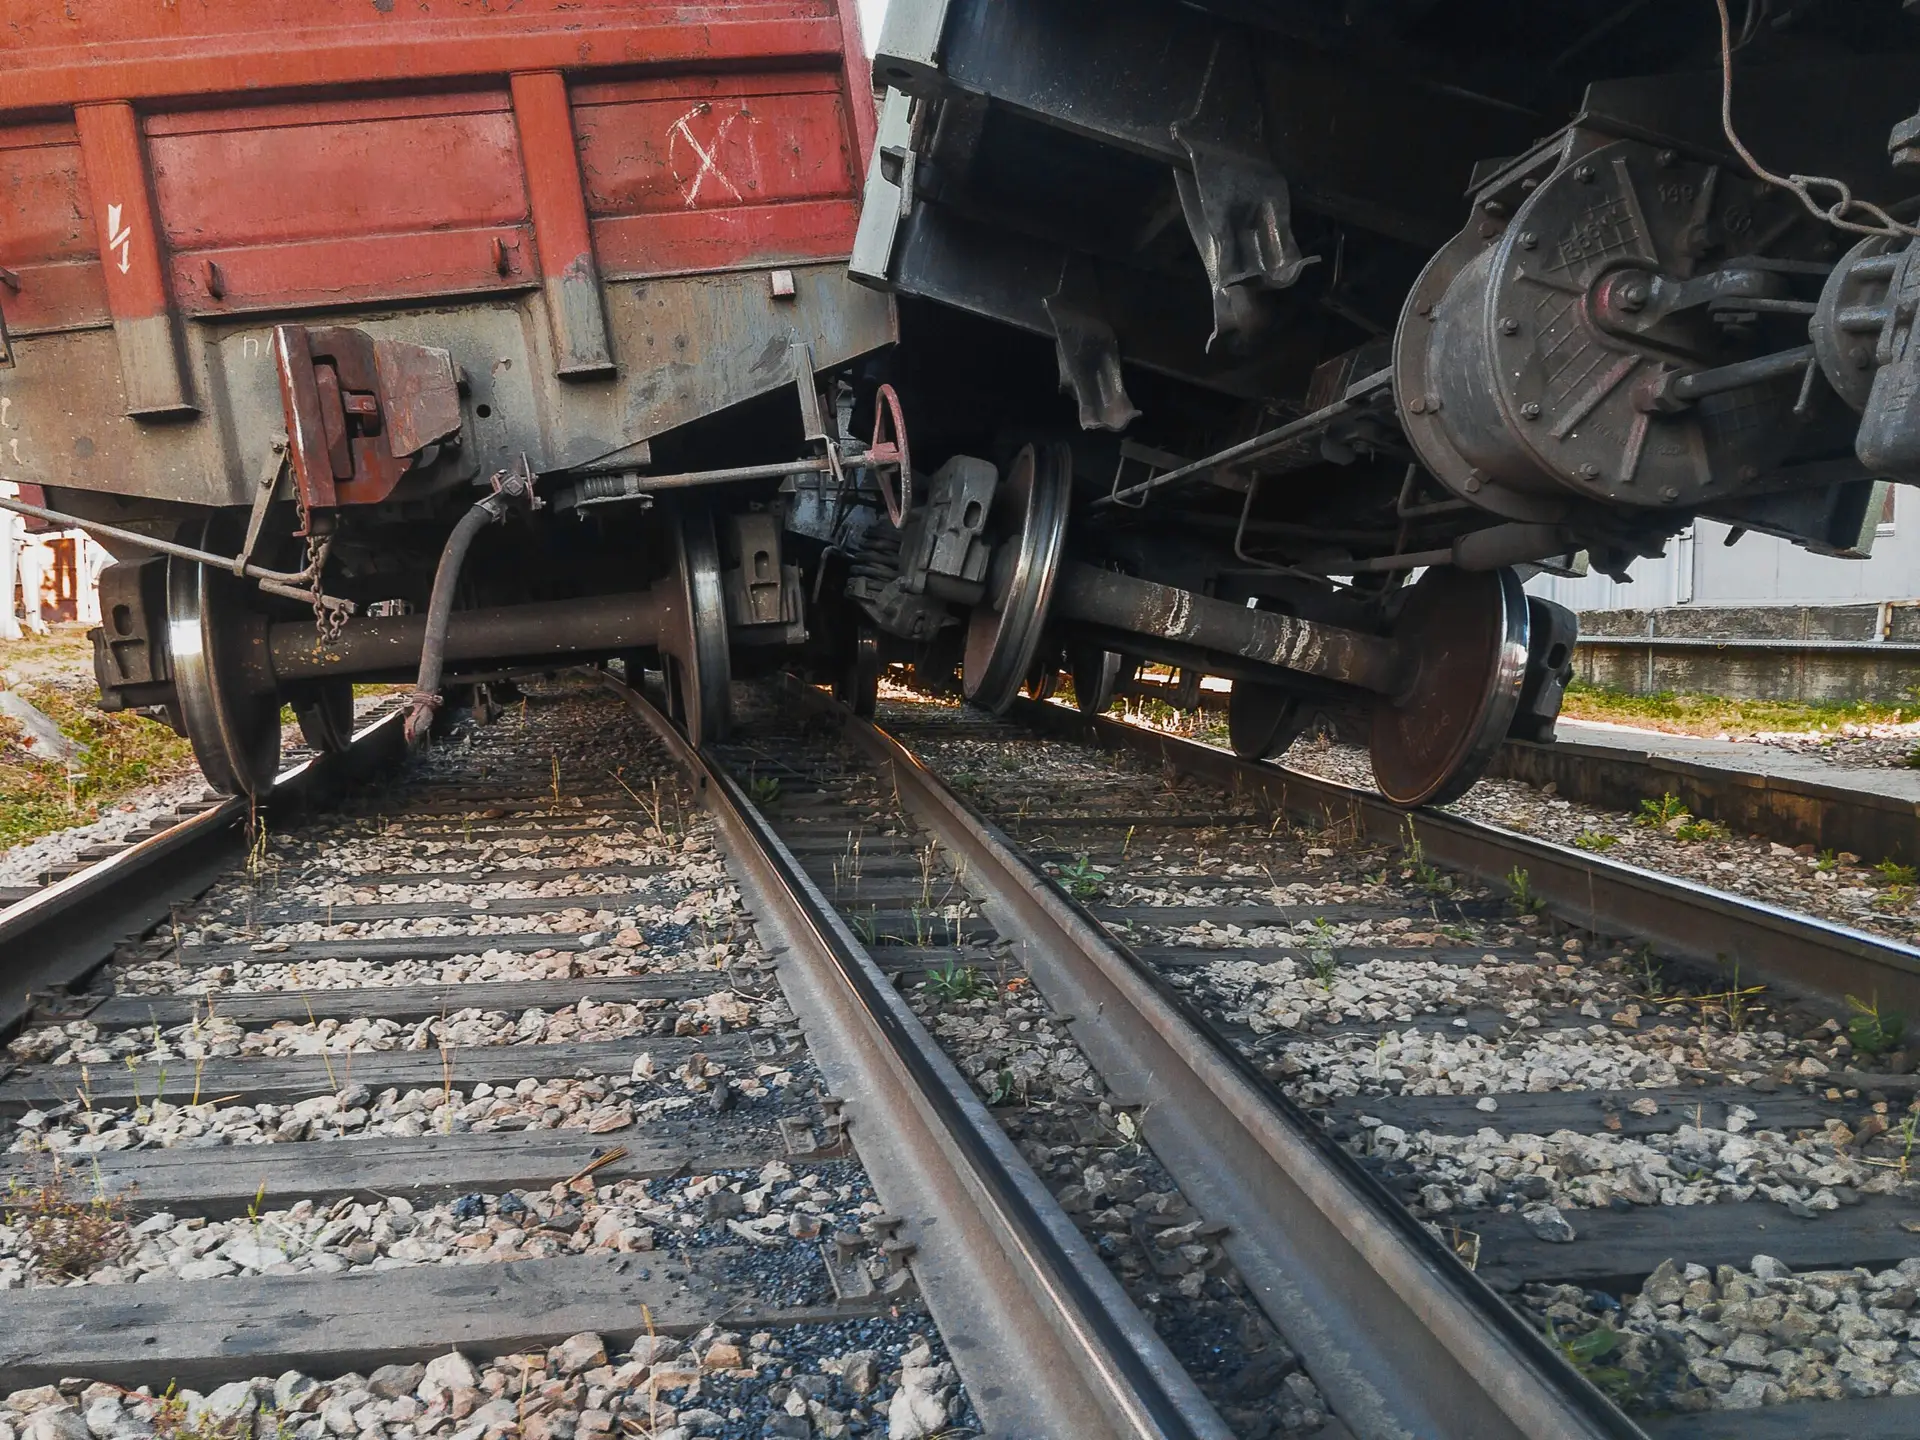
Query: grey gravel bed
x=885, y=1375
x=1541, y=1012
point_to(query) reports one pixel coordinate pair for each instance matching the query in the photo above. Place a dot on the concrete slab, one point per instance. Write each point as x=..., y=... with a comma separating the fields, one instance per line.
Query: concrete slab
x=1745, y=756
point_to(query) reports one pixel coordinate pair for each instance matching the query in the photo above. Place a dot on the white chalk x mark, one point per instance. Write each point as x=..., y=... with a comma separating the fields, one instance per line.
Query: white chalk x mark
x=706, y=155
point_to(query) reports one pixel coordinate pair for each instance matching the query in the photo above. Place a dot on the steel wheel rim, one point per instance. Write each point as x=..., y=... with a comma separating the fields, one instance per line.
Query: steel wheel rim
x=1001, y=643
x=1424, y=716
x=702, y=661
x=235, y=736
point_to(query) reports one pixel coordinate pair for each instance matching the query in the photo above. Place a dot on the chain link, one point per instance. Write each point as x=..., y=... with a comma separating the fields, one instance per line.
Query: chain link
x=328, y=621
x=1845, y=205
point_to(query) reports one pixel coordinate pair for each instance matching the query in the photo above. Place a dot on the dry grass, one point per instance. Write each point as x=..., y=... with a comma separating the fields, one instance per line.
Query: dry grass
x=124, y=752
x=65, y=1238
x=1680, y=713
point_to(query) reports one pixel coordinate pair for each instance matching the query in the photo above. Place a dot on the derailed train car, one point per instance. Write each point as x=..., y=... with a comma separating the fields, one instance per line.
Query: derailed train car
x=1266, y=338
x=1341, y=293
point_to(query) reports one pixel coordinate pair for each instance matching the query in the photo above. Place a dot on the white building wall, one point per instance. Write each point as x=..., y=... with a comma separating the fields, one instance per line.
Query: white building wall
x=1700, y=569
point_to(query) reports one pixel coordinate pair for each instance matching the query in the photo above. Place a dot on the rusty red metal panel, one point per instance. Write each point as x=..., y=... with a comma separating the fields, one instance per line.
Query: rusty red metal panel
x=307, y=201
x=152, y=359
x=568, y=275
x=706, y=143
x=46, y=233
x=267, y=174
x=356, y=269
x=71, y=54
x=739, y=236
x=333, y=202
x=717, y=172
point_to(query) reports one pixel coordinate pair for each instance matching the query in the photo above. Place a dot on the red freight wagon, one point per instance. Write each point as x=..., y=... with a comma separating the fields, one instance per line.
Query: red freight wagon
x=290, y=288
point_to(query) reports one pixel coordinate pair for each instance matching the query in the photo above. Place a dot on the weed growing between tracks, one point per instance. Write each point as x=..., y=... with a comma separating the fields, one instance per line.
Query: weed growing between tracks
x=61, y=1236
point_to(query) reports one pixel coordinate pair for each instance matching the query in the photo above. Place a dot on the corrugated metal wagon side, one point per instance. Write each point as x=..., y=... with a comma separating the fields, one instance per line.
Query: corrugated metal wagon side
x=583, y=203
x=286, y=287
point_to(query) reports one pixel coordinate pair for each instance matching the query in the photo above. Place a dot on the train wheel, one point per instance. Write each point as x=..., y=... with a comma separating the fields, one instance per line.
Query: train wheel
x=325, y=712
x=1096, y=675
x=1029, y=522
x=1263, y=721
x=693, y=638
x=1467, y=633
x=858, y=684
x=234, y=728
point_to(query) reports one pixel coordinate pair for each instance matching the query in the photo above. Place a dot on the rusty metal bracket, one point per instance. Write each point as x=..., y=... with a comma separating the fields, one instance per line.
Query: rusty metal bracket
x=1237, y=204
x=1087, y=350
x=360, y=412
x=804, y=1142
x=870, y=1262
x=262, y=500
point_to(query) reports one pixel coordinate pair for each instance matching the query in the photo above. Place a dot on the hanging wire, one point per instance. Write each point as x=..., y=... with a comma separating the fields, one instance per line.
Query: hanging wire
x=1802, y=186
x=1757, y=13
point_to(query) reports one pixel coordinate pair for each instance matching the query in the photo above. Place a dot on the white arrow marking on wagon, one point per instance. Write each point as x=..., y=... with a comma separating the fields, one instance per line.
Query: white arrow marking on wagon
x=119, y=238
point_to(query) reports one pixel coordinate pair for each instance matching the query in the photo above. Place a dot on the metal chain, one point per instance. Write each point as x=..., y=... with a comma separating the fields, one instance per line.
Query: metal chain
x=1801, y=186
x=328, y=621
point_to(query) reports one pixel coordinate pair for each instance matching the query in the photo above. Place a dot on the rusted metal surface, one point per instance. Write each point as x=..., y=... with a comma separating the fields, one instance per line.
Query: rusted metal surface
x=1125, y=605
x=568, y=274
x=381, y=645
x=358, y=410
x=1464, y=641
x=889, y=456
x=176, y=179
x=67, y=55
x=151, y=360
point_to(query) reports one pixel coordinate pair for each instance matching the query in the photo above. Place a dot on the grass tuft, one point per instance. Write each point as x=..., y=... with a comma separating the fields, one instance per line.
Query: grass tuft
x=64, y=1238
x=955, y=983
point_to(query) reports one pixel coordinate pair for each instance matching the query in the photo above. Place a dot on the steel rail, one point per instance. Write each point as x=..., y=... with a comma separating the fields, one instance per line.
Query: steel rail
x=1397, y=1332
x=55, y=938
x=1800, y=954
x=1053, y=1345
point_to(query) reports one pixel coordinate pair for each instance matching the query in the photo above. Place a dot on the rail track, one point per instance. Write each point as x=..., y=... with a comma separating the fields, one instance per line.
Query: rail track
x=1338, y=946
x=473, y=1105
x=586, y=1084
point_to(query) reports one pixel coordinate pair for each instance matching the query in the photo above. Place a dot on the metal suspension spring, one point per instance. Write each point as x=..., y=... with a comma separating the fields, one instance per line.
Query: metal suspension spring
x=878, y=557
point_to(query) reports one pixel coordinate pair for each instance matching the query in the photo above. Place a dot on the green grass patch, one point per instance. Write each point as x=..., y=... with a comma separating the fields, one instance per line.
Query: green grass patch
x=1686, y=713
x=125, y=751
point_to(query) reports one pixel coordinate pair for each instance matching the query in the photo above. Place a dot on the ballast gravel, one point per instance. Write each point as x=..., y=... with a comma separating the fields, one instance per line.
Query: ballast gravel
x=772, y=1207
x=886, y=1376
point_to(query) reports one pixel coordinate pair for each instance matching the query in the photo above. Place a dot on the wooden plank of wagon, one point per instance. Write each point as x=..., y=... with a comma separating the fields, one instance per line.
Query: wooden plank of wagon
x=199, y=1333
